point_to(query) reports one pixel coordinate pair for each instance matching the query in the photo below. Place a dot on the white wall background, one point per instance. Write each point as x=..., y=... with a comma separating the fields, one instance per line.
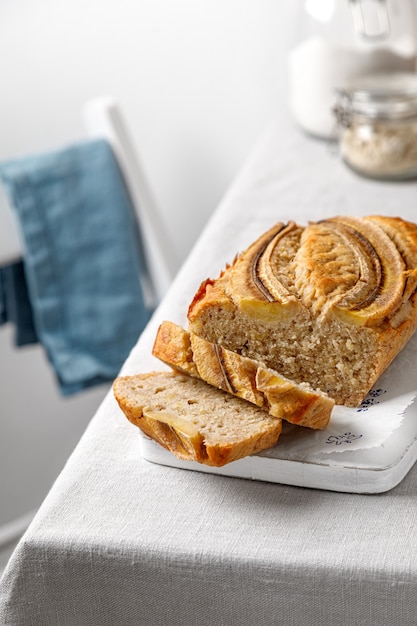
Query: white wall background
x=198, y=80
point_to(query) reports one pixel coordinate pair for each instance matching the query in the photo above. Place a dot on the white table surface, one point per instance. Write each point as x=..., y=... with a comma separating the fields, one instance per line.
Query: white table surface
x=120, y=540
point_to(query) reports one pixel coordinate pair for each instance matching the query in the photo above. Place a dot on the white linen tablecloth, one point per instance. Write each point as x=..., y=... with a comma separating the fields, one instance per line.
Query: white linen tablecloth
x=121, y=541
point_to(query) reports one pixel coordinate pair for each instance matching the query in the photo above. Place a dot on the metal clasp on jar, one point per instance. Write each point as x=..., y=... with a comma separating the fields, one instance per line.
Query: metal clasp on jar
x=343, y=110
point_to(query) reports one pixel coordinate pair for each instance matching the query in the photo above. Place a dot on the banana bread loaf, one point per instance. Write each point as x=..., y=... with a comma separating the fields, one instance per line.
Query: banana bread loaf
x=330, y=303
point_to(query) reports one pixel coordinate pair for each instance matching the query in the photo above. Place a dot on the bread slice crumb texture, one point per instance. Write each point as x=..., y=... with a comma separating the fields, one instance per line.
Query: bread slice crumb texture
x=242, y=377
x=194, y=420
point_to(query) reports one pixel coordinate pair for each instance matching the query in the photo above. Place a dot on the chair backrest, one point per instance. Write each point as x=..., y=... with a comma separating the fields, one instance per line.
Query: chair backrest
x=103, y=118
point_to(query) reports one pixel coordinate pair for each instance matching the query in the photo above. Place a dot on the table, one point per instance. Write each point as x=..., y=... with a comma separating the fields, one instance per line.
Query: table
x=119, y=540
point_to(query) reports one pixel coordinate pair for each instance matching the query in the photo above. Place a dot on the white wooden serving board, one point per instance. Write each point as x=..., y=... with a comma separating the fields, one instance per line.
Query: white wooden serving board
x=367, y=471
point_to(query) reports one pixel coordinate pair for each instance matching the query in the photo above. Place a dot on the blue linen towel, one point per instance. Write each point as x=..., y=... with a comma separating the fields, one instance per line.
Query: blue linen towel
x=83, y=259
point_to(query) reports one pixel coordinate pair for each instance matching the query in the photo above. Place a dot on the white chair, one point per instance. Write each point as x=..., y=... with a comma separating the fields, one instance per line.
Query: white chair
x=103, y=118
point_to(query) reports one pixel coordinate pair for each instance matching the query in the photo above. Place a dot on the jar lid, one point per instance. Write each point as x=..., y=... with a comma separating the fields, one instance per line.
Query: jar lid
x=381, y=96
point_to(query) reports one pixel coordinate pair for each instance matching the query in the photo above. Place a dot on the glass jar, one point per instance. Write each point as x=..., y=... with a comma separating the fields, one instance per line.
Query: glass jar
x=377, y=121
x=338, y=40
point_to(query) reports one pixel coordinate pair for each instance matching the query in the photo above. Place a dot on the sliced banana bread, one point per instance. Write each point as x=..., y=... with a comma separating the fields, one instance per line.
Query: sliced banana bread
x=193, y=420
x=243, y=377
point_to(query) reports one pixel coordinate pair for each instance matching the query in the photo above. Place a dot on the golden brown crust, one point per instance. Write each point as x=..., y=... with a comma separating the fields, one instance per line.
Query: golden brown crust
x=331, y=303
x=242, y=377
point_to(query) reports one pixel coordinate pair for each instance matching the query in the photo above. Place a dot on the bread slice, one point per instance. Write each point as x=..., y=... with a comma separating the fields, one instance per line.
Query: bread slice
x=243, y=377
x=193, y=420
x=331, y=303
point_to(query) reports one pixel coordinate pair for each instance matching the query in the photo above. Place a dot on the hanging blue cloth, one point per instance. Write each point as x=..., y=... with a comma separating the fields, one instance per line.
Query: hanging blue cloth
x=15, y=305
x=83, y=259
